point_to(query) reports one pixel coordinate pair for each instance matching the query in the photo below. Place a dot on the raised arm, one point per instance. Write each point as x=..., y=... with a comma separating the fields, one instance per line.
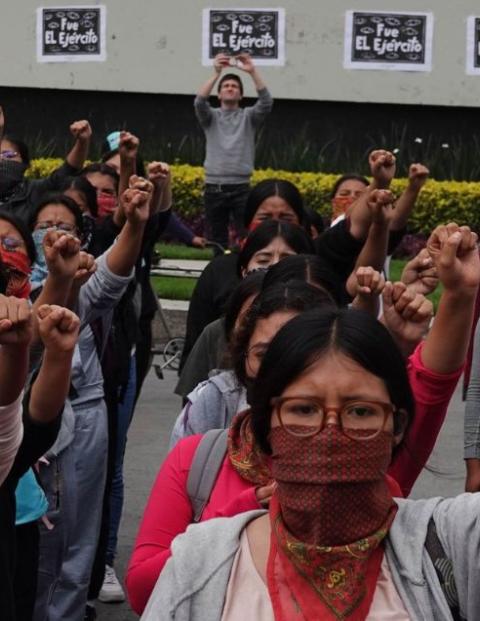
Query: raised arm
x=160, y=175
x=82, y=134
x=136, y=204
x=58, y=328
x=128, y=150
x=374, y=251
x=454, y=252
x=417, y=177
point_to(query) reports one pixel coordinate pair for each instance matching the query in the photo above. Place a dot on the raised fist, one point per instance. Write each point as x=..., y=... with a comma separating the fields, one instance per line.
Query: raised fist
x=417, y=176
x=128, y=145
x=58, y=328
x=81, y=130
x=62, y=253
x=157, y=172
x=86, y=268
x=380, y=204
x=15, y=321
x=136, y=199
x=382, y=166
x=420, y=274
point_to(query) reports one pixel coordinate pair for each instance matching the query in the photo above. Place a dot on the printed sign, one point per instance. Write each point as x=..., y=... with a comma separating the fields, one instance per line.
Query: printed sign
x=71, y=34
x=387, y=40
x=258, y=32
x=473, y=45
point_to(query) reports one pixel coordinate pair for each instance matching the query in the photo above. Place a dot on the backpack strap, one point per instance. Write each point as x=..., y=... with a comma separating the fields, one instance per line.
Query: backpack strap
x=443, y=567
x=206, y=464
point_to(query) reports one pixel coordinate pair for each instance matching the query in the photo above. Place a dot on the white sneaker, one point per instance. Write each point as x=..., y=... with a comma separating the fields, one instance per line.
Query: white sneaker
x=111, y=590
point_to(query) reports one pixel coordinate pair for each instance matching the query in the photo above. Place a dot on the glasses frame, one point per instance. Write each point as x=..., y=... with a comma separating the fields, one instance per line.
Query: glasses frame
x=388, y=408
x=47, y=225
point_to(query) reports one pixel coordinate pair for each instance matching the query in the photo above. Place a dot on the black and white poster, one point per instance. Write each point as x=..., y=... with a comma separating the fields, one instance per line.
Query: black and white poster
x=473, y=45
x=71, y=34
x=388, y=40
x=258, y=32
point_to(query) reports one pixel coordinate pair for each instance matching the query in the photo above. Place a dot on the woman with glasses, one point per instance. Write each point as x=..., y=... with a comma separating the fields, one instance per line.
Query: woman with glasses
x=331, y=408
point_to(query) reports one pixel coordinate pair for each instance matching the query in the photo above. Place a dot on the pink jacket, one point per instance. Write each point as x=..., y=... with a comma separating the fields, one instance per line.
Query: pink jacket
x=169, y=512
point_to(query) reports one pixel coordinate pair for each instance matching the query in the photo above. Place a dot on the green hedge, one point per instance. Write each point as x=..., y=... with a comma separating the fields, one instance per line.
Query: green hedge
x=439, y=202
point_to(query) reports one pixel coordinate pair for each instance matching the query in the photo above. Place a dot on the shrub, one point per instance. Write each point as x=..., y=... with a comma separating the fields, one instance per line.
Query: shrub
x=439, y=201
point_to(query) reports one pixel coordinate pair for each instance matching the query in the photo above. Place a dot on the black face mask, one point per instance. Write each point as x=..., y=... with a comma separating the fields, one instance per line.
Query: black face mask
x=88, y=232
x=11, y=174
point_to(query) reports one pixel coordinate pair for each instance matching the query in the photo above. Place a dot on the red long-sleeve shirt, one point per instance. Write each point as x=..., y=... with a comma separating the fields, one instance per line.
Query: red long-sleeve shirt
x=169, y=511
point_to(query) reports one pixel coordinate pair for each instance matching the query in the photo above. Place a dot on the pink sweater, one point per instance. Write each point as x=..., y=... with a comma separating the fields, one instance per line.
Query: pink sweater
x=169, y=512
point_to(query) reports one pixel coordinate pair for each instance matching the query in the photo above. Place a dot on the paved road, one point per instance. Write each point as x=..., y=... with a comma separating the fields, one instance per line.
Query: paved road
x=147, y=447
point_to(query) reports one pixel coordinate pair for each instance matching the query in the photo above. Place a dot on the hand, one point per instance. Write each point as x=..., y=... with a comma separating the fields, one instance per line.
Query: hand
x=87, y=266
x=15, y=321
x=220, y=62
x=406, y=314
x=382, y=166
x=58, y=328
x=128, y=146
x=454, y=252
x=245, y=63
x=62, y=254
x=370, y=283
x=81, y=130
x=136, y=200
x=158, y=172
x=264, y=494
x=420, y=274
x=199, y=242
x=417, y=176
x=380, y=204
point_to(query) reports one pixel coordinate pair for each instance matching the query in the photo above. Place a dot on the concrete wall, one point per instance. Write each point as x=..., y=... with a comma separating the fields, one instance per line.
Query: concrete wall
x=155, y=47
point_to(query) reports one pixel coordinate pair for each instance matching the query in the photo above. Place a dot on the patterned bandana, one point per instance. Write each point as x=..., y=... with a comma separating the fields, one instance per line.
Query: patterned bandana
x=329, y=516
x=16, y=266
x=245, y=456
x=340, y=205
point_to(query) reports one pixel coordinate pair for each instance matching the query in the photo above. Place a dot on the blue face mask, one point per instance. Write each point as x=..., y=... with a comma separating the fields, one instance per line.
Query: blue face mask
x=39, y=268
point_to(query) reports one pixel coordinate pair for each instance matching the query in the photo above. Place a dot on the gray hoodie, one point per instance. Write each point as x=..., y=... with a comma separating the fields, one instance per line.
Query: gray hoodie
x=193, y=584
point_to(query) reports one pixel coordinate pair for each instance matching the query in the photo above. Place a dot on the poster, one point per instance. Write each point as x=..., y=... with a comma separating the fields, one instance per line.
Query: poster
x=258, y=32
x=71, y=34
x=388, y=40
x=473, y=45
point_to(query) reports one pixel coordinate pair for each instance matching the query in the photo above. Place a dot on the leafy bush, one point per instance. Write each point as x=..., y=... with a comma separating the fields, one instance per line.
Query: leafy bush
x=439, y=202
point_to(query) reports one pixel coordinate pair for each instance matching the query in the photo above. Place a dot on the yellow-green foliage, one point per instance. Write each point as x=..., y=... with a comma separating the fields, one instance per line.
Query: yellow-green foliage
x=439, y=202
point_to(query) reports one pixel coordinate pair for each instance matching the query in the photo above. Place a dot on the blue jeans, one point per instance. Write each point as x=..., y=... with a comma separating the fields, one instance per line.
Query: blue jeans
x=125, y=415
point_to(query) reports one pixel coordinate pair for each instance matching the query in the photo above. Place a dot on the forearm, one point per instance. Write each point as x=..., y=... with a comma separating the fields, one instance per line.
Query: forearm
x=446, y=345
x=162, y=197
x=78, y=154
x=360, y=216
x=124, y=253
x=56, y=290
x=403, y=209
x=257, y=80
x=373, y=253
x=206, y=88
x=128, y=167
x=13, y=372
x=51, y=386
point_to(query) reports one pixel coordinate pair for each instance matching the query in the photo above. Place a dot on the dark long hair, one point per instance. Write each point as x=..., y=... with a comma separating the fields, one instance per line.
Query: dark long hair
x=250, y=285
x=347, y=177
x=103, y=169
x=83, y=185
x=293, y=235
x=58, y=199
x=306, y=267
x=305, y=339
x=274, y=187
x=295, y=295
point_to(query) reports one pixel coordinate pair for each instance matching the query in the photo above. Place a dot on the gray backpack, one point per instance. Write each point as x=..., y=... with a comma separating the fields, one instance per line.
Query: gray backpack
x=205, y=467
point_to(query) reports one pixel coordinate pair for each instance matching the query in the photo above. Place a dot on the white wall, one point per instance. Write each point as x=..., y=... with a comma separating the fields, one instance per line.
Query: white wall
x=154, y=46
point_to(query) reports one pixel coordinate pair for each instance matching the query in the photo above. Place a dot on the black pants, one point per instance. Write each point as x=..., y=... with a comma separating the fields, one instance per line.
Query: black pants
x=222, y=204
x=26, y=568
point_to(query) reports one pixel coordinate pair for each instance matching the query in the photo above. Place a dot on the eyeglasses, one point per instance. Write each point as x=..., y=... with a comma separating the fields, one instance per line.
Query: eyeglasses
x=11, y=244
x=305, y=416
x=8, y=154
x=58, y=226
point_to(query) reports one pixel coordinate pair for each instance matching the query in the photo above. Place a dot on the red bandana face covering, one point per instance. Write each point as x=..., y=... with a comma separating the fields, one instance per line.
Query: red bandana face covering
x=245, y=457
x=106, y=205
x=17, y=268
x=340, y=205
x=329, y=516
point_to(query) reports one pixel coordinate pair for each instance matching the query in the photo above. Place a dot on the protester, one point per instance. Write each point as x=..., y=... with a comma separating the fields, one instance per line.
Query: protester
x=20, y=195
x=230, y=143
x=332, y=391
x=79, y=457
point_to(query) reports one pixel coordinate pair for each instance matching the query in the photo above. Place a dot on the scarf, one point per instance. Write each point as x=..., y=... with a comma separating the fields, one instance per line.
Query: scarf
x=245, y=456
x=17, y=272
x=340, y=205
x=39, y=268
x=329, y=516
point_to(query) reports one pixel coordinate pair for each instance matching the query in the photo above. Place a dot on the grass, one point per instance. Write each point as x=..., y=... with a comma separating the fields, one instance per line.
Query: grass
x=177, y=251
x=172, y=288
x=175, y=288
